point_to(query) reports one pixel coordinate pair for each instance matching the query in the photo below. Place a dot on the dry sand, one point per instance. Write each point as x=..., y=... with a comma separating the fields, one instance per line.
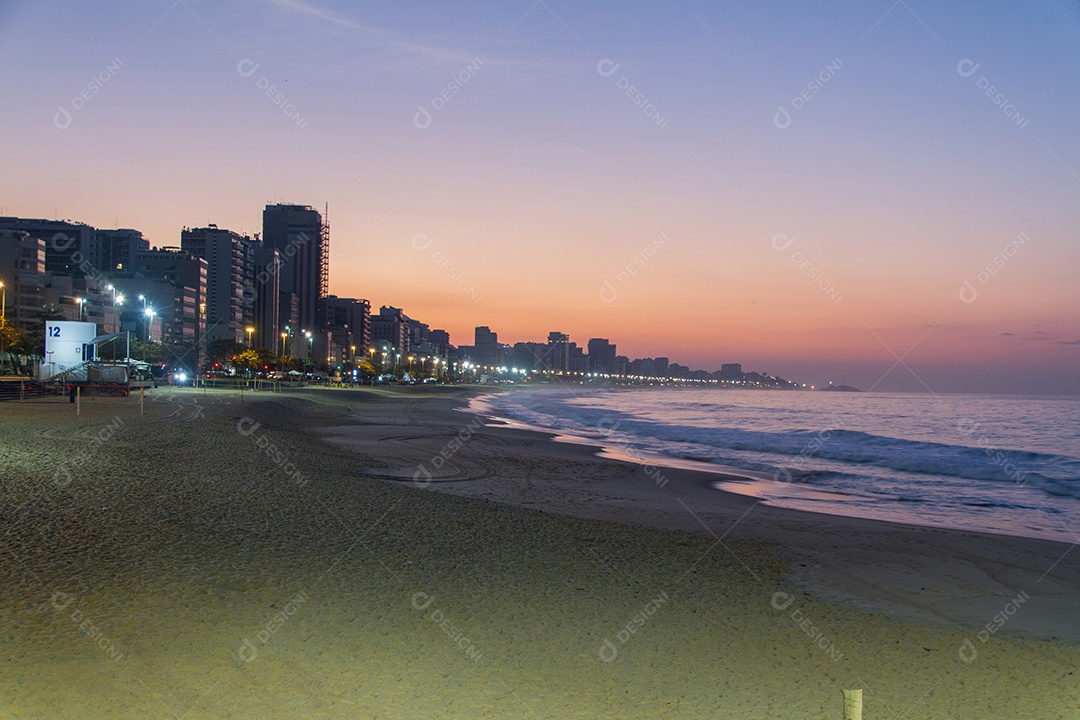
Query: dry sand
x=190, y=563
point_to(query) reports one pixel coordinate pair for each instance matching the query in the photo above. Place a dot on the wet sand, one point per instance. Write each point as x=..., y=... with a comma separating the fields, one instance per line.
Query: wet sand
x=291, y=556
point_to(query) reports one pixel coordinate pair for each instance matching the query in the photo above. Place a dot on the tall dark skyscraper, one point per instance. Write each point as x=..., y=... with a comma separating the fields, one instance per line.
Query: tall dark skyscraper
x=302, y=240
x=601, y=356
x=486, y=343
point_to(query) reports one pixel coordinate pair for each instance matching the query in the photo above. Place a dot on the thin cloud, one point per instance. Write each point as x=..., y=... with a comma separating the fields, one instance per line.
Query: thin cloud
x=373, y=35
x=388, y=40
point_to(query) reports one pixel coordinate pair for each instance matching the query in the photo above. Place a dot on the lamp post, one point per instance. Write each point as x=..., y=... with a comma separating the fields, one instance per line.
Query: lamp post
x=81, y=302
x=249, y=330
x=149, y=312
x=284, y=335
x=3, y=325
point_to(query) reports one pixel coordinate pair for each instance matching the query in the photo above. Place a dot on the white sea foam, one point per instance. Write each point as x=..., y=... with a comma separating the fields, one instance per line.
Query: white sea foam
x=994, y=463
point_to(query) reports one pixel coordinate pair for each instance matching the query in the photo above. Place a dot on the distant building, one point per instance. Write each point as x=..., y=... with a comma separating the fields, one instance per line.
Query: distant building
x=183, y=321
x=265, y=294
x=439, y=340
x=230, y=260
x=730, y=371
x=79, y=265
x=622, y=365
x=558, y=351
x=390, y=329
x=578, y=360
x=302, y=240
x=529, y=356
x=22, y=270
x=418, y=334
x=116, y=249
x=70, y=248
x=645, y=367
x=486, y=346
x=349, y=322
x=601, y=356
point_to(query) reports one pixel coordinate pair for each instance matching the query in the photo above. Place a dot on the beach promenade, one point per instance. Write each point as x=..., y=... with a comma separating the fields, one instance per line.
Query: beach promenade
x=369, y=553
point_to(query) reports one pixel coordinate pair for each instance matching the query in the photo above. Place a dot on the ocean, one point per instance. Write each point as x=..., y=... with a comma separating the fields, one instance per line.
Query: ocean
x=999, y=464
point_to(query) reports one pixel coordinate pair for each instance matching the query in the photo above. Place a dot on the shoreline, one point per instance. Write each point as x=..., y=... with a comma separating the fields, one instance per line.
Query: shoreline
x=721, y=478
x=948, y=578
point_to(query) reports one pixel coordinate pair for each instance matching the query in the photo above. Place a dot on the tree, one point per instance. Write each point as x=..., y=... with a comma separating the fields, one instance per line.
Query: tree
x=223, y=350
x=10, y=338
x=248, y=359
x=147, y=350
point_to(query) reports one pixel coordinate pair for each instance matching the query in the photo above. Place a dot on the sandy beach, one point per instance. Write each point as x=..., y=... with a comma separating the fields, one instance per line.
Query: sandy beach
x=382, y=554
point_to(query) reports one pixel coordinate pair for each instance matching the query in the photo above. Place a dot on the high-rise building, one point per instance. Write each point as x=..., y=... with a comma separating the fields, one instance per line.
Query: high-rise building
x=349, y=322
x=183, y=314
x=390, y=329
x=265, y=293
x=79, y=264
x=486, y=346
x=116, y=248
x=528, y=356
x=730, y=371
x=601, y=356
x=302, y=240
x=558, y=354
x=22, y=270
x=70, y=248
x=439, y=340
x=230, y=259
x=418, y=333
x=579, y=361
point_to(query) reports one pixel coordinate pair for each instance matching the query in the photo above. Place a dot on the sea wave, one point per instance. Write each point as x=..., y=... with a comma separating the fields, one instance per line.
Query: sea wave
x=812, y=456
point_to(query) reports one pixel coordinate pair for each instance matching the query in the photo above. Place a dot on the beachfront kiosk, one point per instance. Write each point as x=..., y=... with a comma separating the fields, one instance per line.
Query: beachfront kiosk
x=68, y=344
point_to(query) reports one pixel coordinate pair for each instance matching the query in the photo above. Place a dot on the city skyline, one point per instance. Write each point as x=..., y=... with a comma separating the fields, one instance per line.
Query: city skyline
x=835, y=194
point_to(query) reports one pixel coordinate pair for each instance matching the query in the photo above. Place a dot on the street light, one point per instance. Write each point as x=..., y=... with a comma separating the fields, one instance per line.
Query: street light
x=149, y=312
x=249, y=330
x=3, y=324
x=81, y=302
x=283, y=336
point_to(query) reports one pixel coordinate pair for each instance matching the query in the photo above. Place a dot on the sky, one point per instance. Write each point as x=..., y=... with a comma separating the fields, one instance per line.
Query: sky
x=883, y=194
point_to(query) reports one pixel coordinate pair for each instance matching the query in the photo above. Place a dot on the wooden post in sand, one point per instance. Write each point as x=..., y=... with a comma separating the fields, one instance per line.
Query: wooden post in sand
x=141, y=392
x=853, y=705
x=78, y=403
